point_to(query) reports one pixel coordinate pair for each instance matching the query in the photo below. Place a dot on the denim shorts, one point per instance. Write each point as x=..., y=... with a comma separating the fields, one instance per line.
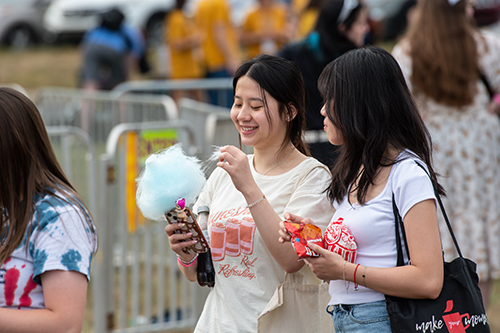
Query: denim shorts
x=360, y=318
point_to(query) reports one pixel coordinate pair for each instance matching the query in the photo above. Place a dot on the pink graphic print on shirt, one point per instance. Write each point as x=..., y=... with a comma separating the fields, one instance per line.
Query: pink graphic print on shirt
x=233, y=238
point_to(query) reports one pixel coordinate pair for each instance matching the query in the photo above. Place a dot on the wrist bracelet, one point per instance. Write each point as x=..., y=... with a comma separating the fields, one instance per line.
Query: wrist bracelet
x=343, y=278
x=355, y=284
x=364, y=276
x=256, y=202
x=187, y=263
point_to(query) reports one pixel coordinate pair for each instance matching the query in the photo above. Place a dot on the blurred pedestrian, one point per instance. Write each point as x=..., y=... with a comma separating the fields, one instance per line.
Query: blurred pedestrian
x=443, y=57
x=48, y=238
x=111, y=51
x=341, y=26
x=307, y=17
x=184, y=41
x=220, y=44
x=265, y=29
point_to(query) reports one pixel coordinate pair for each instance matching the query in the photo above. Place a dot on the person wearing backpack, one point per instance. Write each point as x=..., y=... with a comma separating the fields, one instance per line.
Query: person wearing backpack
x=110, y=52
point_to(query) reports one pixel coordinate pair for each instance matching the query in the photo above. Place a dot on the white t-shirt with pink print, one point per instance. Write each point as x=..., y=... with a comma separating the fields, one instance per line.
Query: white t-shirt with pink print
x=246, y=274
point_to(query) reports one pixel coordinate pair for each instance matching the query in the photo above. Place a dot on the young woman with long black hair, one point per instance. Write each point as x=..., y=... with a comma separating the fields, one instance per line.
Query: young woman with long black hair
x=370, y=113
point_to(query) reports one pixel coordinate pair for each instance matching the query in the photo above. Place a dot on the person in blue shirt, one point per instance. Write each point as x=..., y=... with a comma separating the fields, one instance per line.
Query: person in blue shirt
x=110, y=52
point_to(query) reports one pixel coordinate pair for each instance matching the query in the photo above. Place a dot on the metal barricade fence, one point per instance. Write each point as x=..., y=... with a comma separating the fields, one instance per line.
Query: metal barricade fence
x=142, y=287
x=76, y=151
x=75, y=157
x=222, y=86
x=97, y=112
x=213, y=124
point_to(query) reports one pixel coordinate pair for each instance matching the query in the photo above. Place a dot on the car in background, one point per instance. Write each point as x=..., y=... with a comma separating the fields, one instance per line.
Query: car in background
x=72, y=18
x=21, y=22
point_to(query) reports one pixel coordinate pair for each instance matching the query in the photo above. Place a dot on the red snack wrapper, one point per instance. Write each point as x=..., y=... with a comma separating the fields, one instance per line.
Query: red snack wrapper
x=338, y=239
x=301, y=233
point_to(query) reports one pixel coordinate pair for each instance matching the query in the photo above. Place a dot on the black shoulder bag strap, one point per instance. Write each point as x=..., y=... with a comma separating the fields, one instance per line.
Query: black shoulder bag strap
x=400, y=229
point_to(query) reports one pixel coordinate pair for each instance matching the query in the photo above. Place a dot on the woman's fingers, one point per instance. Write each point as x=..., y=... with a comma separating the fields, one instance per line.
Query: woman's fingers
x=283, y=233
x=296, y=219
x=178, y=240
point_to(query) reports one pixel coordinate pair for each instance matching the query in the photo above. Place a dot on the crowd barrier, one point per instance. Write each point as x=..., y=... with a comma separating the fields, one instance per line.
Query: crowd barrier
x=97, y=112
x=136, y=285
x=222, y=86
x=142, y=288
x=214, y=127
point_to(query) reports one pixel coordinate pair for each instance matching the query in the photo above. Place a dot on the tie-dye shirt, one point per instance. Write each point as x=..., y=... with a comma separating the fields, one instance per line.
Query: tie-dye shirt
x=60, y=240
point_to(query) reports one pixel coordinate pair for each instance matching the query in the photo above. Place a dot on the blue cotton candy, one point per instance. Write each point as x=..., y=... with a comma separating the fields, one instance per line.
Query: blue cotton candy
x=168, y=176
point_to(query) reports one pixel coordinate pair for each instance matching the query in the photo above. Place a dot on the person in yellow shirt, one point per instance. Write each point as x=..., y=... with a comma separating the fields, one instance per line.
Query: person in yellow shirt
x=265, y=28
x=307, y=18
x=220, y=44
x=184, y=41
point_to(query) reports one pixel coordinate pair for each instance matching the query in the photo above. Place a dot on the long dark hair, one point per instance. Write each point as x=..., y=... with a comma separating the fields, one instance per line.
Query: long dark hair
x=281, y=79
x=29, y=167
x=368, y=101
x=333, y=43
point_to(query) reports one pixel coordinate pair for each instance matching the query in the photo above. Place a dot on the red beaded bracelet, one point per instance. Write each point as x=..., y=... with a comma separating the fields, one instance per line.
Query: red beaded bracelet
x=355, y=284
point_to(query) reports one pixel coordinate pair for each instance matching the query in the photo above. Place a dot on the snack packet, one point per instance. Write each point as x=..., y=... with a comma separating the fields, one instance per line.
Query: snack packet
x=301, y=233
x=338, y=239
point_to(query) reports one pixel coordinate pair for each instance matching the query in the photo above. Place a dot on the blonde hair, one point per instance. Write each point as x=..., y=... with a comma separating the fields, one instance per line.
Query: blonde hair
x=444, y=52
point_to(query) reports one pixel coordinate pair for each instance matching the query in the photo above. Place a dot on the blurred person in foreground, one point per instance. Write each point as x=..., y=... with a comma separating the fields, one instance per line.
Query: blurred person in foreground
x=111, y=51
x=220, y=44
x=184, y=40
x=342, y=25
x=265, y=28
x=48, y=238
x=443, y=57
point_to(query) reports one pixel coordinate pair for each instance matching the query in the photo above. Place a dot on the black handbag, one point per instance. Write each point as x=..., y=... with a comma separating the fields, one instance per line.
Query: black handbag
x=458, y=309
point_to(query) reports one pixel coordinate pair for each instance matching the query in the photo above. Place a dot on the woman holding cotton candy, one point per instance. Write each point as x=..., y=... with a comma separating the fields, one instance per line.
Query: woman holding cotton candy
x=248, y=195
x=370, y=113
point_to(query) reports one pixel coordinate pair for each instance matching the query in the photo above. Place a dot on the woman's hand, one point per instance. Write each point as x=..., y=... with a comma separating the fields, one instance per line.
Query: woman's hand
x=235, y=163
x=178, y=241
x=328, y=266
x=284, y=235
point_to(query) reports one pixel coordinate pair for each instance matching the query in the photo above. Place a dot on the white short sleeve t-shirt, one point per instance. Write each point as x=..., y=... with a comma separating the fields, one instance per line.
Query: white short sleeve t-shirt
x=60, y=240
x=246, y=273
x=373, y=224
